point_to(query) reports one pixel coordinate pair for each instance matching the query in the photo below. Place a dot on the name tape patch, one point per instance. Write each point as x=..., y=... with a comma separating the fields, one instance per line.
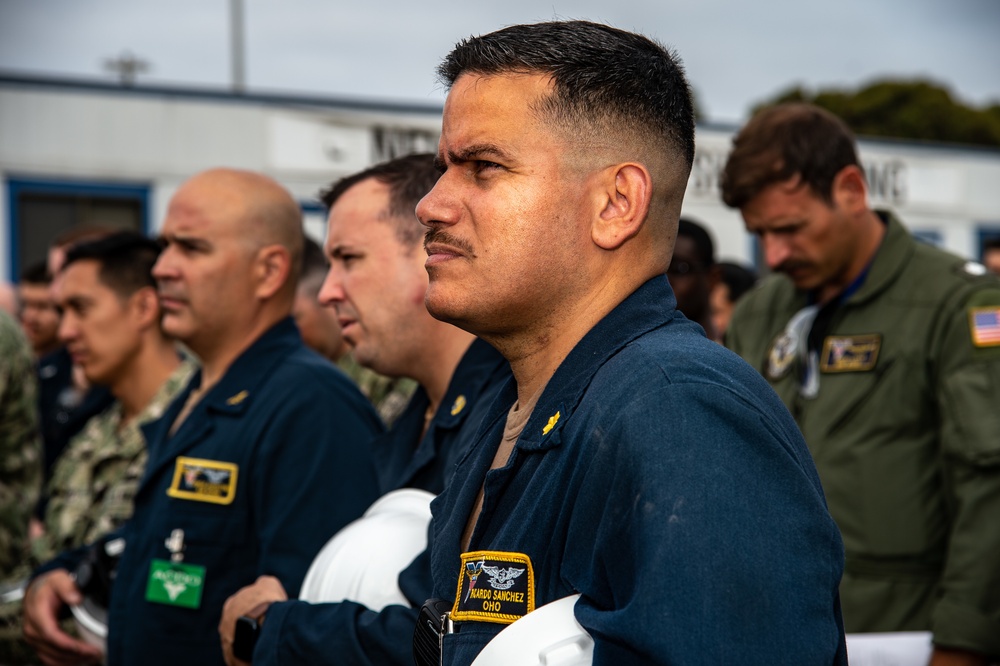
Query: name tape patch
x=985, y=326
x=850, y=353
x=204, y=480
x=494, y=587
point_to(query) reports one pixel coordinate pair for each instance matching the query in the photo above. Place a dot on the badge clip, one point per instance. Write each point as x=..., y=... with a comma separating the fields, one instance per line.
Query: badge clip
x=175, y=544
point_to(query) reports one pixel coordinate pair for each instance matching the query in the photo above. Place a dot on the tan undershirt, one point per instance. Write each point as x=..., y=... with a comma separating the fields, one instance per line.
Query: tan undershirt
x=517, y=418
x=193, y=399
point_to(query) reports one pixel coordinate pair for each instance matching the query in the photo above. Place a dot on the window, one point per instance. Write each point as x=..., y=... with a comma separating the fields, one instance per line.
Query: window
x=41, y=210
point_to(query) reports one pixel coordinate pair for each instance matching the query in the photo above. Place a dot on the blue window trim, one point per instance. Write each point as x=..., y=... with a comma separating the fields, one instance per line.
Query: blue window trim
x=755, y=257
x=312, y=206
x=18, y=185
x=985, y=231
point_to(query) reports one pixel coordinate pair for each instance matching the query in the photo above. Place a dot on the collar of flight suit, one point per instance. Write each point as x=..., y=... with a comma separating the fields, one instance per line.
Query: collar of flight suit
x=889, y=261
x=230, y=396
x=651, y=306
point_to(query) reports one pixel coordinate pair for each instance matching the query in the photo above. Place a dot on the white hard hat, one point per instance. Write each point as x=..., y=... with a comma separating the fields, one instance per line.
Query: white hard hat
x=904, y=648
x=548, y=636
x=92, y=623
x=363, y=560
x=94, y=575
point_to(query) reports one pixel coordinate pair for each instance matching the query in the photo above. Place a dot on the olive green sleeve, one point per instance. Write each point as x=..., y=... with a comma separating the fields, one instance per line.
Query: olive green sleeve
x=967, y=614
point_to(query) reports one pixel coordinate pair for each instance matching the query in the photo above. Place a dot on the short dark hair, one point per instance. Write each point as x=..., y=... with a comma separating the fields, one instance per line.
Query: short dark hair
x=81, y=233
x=785, y=141
x=126, y=260
x=36, y=273
x=991, y=243
x=703, y=244
x=739, y=279
x=314, y=266
x=408, y=178
x=603, y=77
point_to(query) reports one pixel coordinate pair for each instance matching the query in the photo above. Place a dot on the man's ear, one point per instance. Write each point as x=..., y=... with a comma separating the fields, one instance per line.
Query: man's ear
x=274, y=264
x=849, y=190
x=146, y=306
x=624, y=197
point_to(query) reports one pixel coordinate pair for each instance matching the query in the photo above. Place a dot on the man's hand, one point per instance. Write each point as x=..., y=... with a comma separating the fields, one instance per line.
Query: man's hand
x=949, y=657
x=43, y=600
x=267, y=589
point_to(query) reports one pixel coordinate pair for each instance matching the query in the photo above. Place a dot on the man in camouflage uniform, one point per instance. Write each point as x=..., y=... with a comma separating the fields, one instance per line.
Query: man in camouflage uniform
x=19, y=443
x=20, y=462
x=111, y=327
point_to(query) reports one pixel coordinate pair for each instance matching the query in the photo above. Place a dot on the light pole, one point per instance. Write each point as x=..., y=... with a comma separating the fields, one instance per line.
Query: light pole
x=236, y=40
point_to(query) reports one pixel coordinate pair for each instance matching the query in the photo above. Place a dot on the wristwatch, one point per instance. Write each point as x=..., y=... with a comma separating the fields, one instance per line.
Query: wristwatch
x=248, y=631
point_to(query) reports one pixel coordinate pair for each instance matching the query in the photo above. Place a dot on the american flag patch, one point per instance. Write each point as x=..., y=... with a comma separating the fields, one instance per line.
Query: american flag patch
x=985, y=325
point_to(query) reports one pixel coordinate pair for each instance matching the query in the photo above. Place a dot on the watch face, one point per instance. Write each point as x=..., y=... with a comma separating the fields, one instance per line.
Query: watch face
x=245, y=638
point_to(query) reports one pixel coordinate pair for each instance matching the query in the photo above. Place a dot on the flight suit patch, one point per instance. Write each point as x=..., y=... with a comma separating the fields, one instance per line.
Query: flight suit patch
x=494, y=587
x=780, y=356
x=204, y=480
x=984, y=324
x=850, y=353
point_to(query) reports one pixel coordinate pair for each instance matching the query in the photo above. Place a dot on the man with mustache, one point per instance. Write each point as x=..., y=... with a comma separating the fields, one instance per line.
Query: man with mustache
x=260, y=458
x=887, y=351
x=633, y=462
x=377, y=282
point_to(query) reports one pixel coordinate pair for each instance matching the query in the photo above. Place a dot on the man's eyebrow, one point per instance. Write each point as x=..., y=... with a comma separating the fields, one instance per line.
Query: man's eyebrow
x=477, y=152
x=75, y=301
x=187, y=241
x=339, y=250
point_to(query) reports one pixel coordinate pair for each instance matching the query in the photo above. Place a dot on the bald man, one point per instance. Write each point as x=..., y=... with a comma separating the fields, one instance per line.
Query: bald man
x=248, y=474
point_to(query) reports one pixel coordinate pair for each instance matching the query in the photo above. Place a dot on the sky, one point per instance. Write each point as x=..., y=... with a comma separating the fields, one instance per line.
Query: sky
x=737, y=53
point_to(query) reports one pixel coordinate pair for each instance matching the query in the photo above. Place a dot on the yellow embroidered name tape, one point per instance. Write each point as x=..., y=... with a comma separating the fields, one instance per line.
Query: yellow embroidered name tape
x=850, y=353
x=204, y=480
x=494, y=587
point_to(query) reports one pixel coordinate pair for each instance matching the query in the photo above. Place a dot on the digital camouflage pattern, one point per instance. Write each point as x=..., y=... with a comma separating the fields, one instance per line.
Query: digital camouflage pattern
x=390, y=396
x=20, y=444
x=20, y=462
x=95, y=479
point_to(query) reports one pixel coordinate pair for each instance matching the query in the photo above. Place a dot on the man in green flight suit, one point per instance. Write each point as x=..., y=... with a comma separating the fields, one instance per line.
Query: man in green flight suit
x=887, y=352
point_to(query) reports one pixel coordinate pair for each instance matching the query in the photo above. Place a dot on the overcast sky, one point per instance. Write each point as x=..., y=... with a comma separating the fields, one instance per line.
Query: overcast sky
x=736, y=52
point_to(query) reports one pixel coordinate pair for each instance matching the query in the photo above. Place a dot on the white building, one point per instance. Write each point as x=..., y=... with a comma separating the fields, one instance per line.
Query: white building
x=84, y=153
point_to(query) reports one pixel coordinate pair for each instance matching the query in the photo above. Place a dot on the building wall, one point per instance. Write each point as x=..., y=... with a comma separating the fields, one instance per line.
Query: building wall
x=106, y=135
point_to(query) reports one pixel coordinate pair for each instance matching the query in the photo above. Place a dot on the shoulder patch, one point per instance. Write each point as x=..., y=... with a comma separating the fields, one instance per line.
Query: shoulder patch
x=780, y=356
x=984, y=323
x=494, y=587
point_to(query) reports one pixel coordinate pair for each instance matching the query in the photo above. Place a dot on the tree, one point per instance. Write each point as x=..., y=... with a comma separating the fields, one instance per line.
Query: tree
x=917, y=109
